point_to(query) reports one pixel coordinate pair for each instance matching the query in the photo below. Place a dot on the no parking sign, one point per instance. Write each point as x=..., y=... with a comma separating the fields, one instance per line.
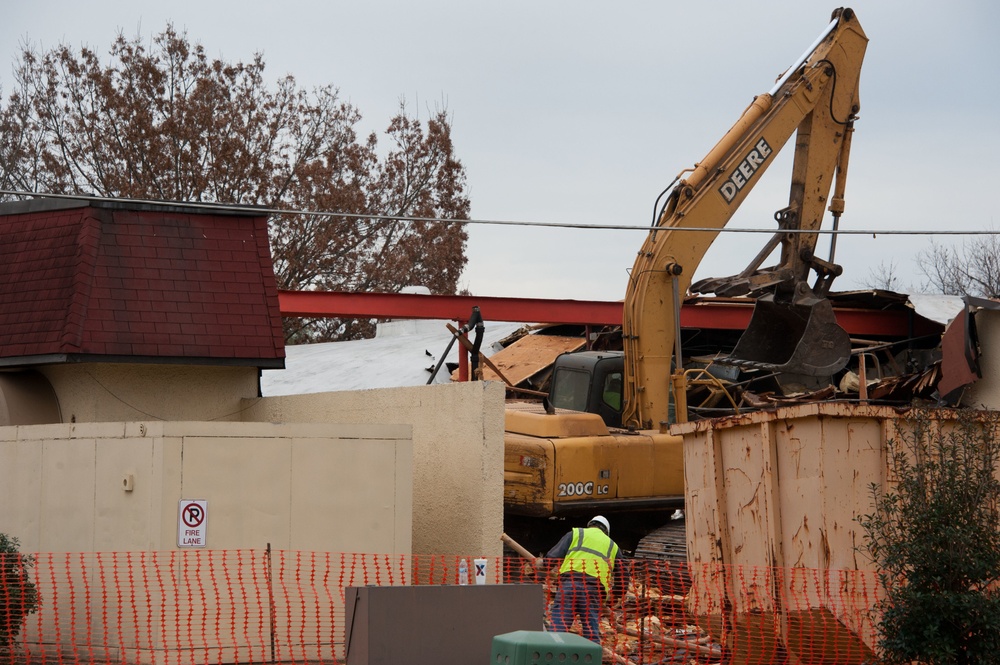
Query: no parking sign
x=192, y=522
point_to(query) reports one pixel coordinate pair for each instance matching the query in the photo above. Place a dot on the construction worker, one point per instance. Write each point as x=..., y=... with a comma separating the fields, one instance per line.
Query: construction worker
x=585, y=577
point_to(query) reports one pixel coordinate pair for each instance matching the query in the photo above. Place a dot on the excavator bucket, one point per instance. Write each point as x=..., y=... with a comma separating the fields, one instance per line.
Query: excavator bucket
x=790, y=338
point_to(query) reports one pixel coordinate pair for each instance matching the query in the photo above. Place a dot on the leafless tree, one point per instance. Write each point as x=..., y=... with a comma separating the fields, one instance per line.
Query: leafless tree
x=972, y=269
x=883, y=277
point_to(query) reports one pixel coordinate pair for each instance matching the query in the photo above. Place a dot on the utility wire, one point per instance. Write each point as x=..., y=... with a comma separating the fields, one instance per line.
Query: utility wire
x=262, y=210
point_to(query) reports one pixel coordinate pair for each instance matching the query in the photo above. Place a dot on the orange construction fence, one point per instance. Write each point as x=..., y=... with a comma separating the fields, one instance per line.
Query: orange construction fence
x=263, y=606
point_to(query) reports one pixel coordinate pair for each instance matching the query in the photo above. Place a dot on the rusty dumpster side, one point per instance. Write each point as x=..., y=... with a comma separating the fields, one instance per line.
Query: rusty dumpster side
x=781, y=491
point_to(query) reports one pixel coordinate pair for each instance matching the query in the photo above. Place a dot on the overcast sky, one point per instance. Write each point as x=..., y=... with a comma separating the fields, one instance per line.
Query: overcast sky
x=580, y=112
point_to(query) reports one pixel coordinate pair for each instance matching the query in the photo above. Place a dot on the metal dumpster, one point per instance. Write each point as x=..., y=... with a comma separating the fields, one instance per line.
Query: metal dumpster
x=778, y=493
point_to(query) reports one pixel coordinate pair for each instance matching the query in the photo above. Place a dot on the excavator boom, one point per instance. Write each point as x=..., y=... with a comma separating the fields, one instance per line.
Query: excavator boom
x=817, y=101
x=586, y=450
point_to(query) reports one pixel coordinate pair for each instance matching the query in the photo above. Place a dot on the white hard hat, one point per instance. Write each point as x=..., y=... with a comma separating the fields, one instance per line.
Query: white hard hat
x=602, y=522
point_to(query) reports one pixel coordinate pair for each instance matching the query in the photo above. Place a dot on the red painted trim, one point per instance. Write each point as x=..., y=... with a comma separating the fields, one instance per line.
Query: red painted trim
x=452, y=308
x=720, y=314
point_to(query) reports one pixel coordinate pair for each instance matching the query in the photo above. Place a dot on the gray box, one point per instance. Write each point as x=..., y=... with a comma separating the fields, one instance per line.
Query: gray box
x=444, y=625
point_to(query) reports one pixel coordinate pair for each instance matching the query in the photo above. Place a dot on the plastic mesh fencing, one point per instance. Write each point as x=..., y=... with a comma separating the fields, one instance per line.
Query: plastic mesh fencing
x=256, y=606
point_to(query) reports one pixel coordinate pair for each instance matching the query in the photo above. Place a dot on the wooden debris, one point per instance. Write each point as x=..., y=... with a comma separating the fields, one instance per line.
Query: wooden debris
x=526, y=357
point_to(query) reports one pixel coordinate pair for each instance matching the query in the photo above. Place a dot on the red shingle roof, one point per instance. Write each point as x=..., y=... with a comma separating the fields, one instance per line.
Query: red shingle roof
x=141, y=282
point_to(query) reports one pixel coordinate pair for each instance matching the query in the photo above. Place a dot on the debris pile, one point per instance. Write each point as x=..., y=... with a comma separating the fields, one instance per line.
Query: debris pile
x=651, y=626
x=896, y=360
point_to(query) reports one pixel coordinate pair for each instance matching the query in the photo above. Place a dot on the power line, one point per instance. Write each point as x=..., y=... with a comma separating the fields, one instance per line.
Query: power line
x=262, y=210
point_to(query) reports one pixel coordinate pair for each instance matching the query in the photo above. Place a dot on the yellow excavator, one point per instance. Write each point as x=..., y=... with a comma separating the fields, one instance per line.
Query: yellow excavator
x=600, y=444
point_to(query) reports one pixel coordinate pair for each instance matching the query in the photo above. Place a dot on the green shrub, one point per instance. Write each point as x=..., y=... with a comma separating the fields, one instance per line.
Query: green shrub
x=934, y=537
x=18, y=594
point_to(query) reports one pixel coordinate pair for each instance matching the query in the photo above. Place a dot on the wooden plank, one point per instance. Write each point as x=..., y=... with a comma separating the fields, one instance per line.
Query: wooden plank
x=528, y=356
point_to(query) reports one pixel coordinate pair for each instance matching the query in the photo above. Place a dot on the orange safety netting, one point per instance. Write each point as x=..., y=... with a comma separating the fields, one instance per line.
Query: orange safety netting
x=240, y=606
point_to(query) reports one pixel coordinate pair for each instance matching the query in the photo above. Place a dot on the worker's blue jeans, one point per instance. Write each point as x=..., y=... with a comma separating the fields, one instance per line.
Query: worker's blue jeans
x=578, y=597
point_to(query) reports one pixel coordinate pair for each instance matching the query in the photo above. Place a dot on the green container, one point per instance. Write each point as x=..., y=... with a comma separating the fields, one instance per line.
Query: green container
x=530, y=647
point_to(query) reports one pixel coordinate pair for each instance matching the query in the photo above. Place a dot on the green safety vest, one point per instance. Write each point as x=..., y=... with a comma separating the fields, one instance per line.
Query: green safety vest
x=593, y=553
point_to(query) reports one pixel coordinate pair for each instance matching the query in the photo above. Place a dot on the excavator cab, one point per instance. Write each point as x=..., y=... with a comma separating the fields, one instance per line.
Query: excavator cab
x=589, y=381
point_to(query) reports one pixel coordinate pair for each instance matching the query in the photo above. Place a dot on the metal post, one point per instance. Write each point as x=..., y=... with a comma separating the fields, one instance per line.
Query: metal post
x=677, y=381
x=463, y=356
x=270, y=599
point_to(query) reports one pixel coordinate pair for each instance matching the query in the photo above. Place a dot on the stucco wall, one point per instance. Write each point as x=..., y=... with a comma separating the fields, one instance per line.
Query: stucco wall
x=63, y=487
x=110, y=392
x=457, y=454
x=119, y=487
x=457, y=433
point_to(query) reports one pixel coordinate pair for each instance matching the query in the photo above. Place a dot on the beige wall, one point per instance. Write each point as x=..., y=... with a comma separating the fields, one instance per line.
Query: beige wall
x=457, y=434
x=457, y=454
x=109, y=392
x=117, y=487
x=295, y=486
x=395, y=471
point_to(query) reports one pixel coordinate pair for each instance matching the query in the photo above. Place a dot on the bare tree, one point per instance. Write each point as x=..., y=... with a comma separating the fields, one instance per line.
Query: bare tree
x=165, y=122
x=973, y=269
x=883, y=277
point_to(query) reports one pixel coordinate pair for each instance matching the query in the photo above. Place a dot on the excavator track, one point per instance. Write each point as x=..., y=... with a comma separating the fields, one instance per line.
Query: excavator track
x=668, y=545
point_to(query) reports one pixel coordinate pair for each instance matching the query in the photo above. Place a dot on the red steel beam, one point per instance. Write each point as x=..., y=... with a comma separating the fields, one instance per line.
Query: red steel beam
x=719, y=314
x=451, y=308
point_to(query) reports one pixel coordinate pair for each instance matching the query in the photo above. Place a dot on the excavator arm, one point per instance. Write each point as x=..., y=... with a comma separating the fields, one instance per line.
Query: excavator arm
x=817, y=101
